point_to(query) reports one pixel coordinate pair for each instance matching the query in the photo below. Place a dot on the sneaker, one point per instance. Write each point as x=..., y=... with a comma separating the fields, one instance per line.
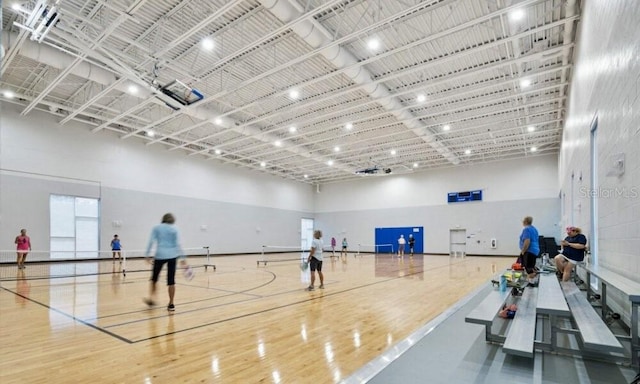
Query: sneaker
x=310, y=288
x=321, y=286
x=171, y=308
x=149, y=302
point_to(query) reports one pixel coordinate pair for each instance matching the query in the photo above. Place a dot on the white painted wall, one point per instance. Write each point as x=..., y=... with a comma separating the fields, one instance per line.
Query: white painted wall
x=232, y=210
x=606, y=85
x=511, y=190
x=36, y=144
x=522, y=179
x=238, y=210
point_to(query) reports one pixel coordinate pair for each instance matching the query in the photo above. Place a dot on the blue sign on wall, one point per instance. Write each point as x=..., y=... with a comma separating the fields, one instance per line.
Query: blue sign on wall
x=457, y=197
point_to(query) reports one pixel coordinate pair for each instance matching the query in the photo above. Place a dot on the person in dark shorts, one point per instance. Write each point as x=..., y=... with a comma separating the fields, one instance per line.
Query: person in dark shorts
x=412, y=243
x=315, y=260
x=345, y=245
x=168, y=250
x=116, y=248
x=529, y=248
x=573, y=249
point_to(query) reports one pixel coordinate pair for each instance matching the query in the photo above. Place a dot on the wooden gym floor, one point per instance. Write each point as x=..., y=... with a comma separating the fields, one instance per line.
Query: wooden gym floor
x=238, y=324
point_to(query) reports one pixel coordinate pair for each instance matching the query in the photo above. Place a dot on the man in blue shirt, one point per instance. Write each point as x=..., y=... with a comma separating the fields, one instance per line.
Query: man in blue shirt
x=529, y=247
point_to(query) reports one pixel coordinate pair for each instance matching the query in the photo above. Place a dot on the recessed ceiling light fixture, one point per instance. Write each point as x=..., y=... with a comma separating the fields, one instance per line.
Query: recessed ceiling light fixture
x=294, y=93
x=208, y=44
x=373, y=44
x=517, y=15
x=348, y=126
x=421, y=98
x=446, y=127
x=524, y=83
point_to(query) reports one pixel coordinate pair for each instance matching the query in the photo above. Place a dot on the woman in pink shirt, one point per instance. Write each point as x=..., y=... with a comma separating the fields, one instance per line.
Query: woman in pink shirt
x=23, y=247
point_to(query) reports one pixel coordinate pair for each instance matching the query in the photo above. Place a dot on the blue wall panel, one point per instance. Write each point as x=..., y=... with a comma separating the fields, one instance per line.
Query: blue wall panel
x=391, y=236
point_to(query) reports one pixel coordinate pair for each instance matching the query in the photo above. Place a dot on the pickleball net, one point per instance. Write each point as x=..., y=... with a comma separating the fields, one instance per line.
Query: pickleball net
x=53, y=264
x=281, y=253
x=374, y=249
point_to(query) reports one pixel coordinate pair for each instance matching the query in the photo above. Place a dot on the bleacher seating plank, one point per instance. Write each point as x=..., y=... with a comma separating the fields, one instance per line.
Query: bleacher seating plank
x=551, y=299
x=522, y=331
x=487, y=310
x=595, y=334
x=630, y=288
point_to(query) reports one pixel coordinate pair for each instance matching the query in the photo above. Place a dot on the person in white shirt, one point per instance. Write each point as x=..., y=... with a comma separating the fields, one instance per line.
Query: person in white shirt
x=401, y=243
x=315, y=260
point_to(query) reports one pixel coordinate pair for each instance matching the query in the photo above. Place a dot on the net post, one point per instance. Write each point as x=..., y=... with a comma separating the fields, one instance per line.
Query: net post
x=262, y=257
x=208, y=262
x=123, y=254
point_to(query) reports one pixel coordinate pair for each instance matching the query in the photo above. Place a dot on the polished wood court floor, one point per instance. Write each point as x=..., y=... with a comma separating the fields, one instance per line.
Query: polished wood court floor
x=241, y=323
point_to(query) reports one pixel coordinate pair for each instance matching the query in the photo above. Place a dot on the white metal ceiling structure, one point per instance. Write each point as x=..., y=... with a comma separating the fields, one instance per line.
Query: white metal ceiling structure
x=307, y=90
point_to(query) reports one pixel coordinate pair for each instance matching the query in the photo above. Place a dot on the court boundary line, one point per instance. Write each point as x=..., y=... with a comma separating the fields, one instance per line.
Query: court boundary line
x=288, y=305
x=135, y=341
x=74, y=318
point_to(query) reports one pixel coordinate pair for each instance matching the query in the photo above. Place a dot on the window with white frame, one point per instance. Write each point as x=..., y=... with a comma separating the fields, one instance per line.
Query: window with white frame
x=74, y=227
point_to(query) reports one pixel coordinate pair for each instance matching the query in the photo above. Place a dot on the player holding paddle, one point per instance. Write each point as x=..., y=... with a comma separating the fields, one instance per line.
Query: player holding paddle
x=315, y=259
x=168, y=250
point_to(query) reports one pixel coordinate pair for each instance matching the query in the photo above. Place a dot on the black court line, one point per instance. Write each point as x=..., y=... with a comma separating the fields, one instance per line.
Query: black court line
x=231, y=293
x=121, y=338
x=129, y=341
x=285, y=305
x=258, y=297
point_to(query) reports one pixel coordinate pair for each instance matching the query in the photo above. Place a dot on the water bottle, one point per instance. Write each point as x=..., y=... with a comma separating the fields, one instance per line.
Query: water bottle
x=503, y=283
x=545, y=259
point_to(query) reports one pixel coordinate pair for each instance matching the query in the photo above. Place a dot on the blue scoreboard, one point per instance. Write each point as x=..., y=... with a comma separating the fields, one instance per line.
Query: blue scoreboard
x=458, y=197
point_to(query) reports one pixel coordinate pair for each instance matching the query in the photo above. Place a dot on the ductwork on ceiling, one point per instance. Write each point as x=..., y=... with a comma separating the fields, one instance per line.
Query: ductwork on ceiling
x=60, y=60
x=317, y=36
x=309, y=30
